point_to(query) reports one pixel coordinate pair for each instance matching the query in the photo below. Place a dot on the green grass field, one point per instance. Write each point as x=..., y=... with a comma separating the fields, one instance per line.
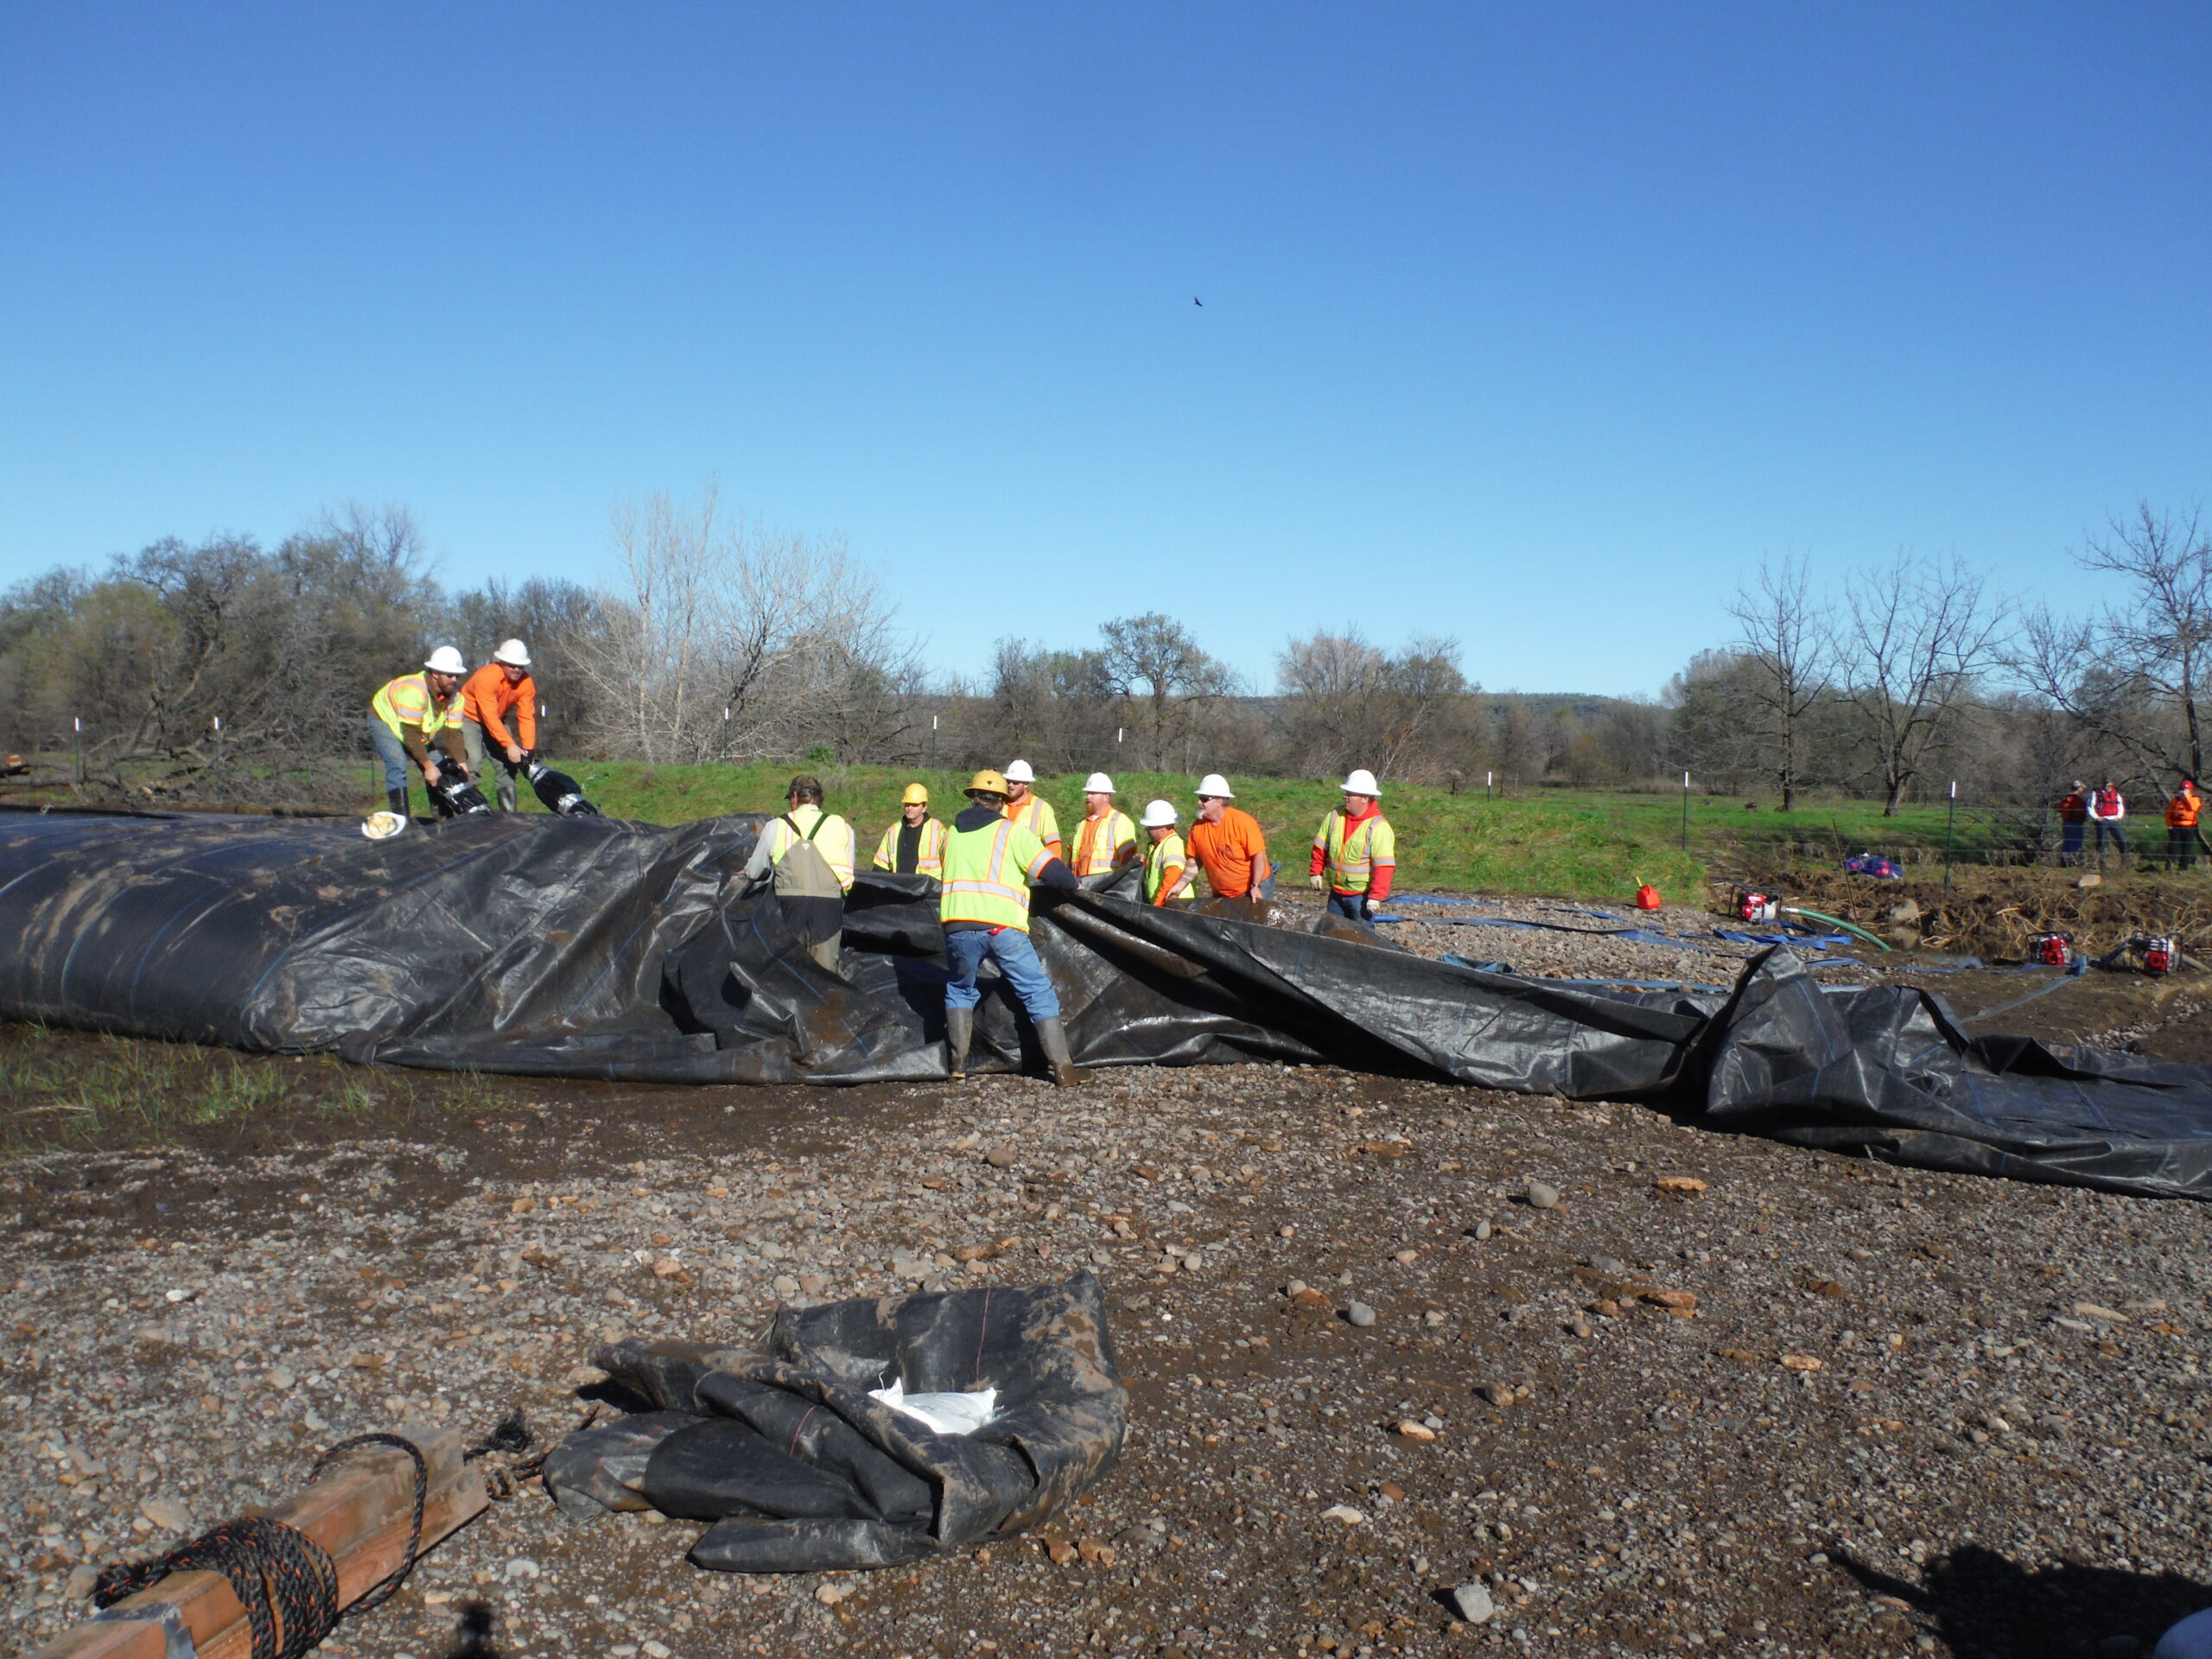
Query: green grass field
x=1571, y=843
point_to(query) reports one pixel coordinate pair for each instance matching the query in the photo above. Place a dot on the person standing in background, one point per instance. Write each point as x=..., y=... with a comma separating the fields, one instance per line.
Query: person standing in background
x=914, y=845
x=1107, y=840
x=2073, y=817
x=2108, y=810
x=501, y=688
x=1228, y=843
x=1026, y=807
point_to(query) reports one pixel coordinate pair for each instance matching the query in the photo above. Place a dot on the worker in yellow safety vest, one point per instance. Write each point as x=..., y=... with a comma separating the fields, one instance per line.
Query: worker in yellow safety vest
x=914, y=845
x=406, y=715
x=990, y=861
x=1108, y=839
x=1027, y=808
x=1169, y=875
x=1357, y=850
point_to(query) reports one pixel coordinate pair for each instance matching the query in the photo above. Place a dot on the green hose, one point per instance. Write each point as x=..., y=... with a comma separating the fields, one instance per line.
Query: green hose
x=1879, y=942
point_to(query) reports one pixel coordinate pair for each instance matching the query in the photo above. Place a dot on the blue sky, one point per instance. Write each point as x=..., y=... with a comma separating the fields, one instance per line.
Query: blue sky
x=1536, y=326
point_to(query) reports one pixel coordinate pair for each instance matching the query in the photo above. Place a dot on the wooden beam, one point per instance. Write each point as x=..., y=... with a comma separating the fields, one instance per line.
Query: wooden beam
x=361, y=1512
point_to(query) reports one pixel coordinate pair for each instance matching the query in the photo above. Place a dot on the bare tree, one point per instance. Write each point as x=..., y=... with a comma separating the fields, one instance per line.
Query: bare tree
x=1158, y=671
x=1345, y=702
x=1914, y=639
x=1785, y=638
x=2135, y=675
x=731, y=641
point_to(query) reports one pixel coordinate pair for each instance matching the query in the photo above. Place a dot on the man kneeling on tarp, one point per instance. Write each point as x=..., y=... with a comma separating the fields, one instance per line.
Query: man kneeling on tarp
x=989, y=863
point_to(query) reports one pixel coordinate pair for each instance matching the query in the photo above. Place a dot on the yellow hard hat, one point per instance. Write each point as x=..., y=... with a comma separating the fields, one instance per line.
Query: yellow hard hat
x=916, y=795
x=992, y=782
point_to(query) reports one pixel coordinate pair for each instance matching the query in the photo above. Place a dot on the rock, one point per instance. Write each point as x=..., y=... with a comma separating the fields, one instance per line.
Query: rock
x=1611, y=1265
x=1345, y=1514
x=522, y=1568
x=1001, y=1156
x=1498, y=1393
x=82, y=1578
x=179, y=1295
x=585, y=1376
x=1473, y=1605
x=168, y=1513
x=1288, y=1229
x=281, y=1380
x=1542, y=1195
x=1406, y=1258
x=1680, y=1186
x=1581, y=1328
x=1360, y=1314
x=2092, y=1311
x=1418, y=1432
x=831, y=1594
x=2092, y=879
x=1799, y=1362
x=1905, y=910
x=1309, y=1297
x=1482, y=1230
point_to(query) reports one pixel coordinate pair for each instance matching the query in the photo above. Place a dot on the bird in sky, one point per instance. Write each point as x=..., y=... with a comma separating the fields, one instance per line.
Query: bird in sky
x=1196, y=301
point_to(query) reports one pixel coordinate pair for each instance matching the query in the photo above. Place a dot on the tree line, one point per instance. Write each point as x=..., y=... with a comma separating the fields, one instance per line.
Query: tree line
x=228, y=669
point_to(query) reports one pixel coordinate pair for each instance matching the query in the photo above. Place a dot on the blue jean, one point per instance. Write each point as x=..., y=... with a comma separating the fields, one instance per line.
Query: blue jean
x=2109, y=829
x=1350, y=906
x=965, y=951
x=399, y=768
x=2069, y=837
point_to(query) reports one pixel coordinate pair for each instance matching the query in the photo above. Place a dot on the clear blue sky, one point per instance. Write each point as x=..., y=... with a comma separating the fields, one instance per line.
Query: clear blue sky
x=1532, y=326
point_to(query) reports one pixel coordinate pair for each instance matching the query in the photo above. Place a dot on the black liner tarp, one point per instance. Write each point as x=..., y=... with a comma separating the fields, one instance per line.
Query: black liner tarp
x=784, y=1446
x=594, y=948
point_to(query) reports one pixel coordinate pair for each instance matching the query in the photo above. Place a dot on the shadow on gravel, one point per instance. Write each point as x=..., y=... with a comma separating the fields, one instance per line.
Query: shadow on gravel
x=476, y=1633
x=1978, y=1602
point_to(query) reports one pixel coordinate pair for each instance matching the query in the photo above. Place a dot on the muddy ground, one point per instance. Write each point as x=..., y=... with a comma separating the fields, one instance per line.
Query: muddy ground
x=2001, y=1452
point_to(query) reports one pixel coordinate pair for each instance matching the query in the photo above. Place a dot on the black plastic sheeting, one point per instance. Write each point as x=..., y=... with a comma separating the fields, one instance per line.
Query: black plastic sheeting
x=594, y=948
x=782, y=1445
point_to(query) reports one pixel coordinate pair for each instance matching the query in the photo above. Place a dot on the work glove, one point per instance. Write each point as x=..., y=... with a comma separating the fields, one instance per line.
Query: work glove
x=1316, y=883
x=1366, y=909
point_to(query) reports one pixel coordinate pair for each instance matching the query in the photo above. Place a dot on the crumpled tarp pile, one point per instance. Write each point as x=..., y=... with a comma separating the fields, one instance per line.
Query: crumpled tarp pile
x=594, y=948
x=787, y=1447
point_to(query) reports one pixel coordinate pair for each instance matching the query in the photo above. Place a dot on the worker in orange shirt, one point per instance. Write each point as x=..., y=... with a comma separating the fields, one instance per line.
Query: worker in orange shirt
x=1026, y=807
x=2182, y=813
x=1107, y=839
x=1228, y=843
x=500, y=689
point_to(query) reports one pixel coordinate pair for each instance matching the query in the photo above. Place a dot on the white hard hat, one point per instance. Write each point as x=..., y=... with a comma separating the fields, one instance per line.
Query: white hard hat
x=1098, y=783
x=445, y=660
x=1017, y=772
x=1361, y=782
x=1158, y=814
x=1214, y=783
x=513, y=651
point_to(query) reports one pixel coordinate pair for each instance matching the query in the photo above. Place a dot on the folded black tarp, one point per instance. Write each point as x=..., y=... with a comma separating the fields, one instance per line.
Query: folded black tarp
x=594, y=948
x=783, y=1444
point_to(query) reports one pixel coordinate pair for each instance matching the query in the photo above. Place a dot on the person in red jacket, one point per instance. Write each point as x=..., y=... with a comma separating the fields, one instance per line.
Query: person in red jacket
x=2108, y=809
x=2073, y=817
x=1356, y=851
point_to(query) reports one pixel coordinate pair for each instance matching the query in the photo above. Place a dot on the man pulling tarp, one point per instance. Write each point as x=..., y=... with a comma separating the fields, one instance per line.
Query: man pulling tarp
x=810, y=853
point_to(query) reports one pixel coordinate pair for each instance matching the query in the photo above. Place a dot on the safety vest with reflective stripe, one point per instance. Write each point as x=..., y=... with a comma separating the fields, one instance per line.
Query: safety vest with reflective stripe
x=987, y=873
x=2182, y=811
x=1168, y=860
x=1353, y=861
x=929, y=856
x=1034, y=816
x=831, y=836
x=407, y=702
x=1098, y=840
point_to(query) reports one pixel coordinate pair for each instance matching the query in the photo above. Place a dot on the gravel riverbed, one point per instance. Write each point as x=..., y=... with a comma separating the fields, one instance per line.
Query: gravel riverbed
x=1811, y=1406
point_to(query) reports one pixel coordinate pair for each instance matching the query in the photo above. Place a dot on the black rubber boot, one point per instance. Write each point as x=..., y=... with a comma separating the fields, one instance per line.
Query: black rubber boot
x=1052, y=1038
x=959, y=1032
x=397, y=797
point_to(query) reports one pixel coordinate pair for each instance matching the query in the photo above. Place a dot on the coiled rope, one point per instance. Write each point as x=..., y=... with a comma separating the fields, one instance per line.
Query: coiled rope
x=283, y=1578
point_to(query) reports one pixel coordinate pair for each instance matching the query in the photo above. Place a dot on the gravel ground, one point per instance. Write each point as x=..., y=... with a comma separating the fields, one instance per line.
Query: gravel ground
x=1819, y=1407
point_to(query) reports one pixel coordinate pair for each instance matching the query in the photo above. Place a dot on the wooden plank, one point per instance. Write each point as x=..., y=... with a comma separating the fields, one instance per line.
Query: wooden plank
x=361, y=1513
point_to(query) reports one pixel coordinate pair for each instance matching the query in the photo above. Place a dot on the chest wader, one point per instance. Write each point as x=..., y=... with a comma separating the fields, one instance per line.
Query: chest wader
x=812, y=900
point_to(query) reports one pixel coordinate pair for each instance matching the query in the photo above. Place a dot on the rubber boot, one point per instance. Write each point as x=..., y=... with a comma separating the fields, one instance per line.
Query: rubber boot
x=959, y=1031
x=1052, y=1038
x=397, y=797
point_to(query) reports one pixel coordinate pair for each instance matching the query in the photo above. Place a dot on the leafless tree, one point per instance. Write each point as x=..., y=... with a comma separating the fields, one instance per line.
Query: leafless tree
x=731, y=641
x=2135, y=675
x=1404, y=714
x=1913, y=641
x=1785, y=638
x=1162, y=677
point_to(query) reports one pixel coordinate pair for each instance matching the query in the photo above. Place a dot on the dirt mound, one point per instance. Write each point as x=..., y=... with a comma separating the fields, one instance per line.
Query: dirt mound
x=1994, y=912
